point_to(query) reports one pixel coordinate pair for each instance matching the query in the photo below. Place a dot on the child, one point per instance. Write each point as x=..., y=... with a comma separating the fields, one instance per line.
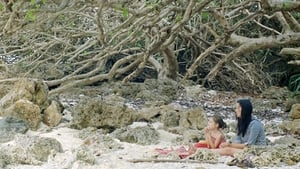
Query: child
x=213, y=133
x=213, y=138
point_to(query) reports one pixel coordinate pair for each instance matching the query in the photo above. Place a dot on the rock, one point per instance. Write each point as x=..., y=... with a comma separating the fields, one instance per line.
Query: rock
x=9, y=127
x=291, y=101
x=205, y=155
x=270, y=155
x=169, y=114
x=194, y=118
x=192, y=136
x=16, y=154
x=25, y=101
x=140, y=135
x=149, y=114
x=194, y=91
x=275, y=92
x=170, y=119
x=288, y=140
x=85, y=154
x=291, y=126
x=53, y=114
x=151, y=90
x=295, y=111
x=274, y=129
x=32, y=150
x=26, y=111
x=39, y=147
x=161, y=87
x=95, y=112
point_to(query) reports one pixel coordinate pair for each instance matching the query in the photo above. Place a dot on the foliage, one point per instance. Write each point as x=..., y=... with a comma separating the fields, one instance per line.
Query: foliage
x=30, y=15
x=95, y=41
x=1, y=7
x=294, y=83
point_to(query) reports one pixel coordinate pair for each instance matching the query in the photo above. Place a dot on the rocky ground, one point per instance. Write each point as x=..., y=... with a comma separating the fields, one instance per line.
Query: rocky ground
x=121, y=125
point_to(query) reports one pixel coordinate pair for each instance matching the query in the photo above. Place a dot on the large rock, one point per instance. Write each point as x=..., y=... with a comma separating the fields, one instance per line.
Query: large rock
x=151, y=90
x=277, y=155
x=39, y=147
x=195, y=91
x=32, y=90
x=96, y=112
x=26, y=101
x=171, y=117
x=275, y=92
x=169, y=114
x=53, y=114
x=143, y=135
x=288, y=140
x=291, y=126
x=33, y=150
x=9, y=127
x=194, y=118
x=295, y=111
x=27, y=111
x=162, y=90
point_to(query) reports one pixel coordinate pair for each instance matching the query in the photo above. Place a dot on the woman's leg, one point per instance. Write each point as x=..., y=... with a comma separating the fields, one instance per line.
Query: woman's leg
x=227, y=151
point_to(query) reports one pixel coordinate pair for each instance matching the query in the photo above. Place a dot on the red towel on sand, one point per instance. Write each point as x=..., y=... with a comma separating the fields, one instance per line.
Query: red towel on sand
x=181, y=151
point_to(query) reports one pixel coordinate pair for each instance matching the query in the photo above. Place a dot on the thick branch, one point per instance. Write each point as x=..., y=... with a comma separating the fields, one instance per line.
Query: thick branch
x=294, y=24
x=248, y=45
x=202, y=56
x=280, y=5
x=290, y=51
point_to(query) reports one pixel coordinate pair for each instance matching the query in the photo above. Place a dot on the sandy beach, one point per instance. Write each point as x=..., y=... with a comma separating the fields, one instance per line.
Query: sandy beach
x=120, y=159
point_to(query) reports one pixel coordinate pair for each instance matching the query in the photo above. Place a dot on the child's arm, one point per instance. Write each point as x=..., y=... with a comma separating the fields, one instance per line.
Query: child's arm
x=208, y=140
x=218, y=141
x=215, y=143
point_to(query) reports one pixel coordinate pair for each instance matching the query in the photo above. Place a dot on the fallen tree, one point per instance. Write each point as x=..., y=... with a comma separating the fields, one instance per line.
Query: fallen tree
x=72, y=43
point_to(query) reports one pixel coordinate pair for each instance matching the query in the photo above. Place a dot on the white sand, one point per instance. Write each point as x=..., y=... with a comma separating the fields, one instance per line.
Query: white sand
x=118, y=159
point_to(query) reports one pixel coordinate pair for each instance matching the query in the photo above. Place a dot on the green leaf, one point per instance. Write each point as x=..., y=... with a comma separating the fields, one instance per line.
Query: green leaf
x=44, y=1
x=178, y=18
x=37, y=6
x=1, y=7
x=125, y=12
x=30, y=15
x=204, y=16
x=32, y=2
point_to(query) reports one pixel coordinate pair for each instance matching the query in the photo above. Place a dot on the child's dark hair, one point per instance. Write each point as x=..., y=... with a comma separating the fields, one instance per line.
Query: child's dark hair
x=219, y=120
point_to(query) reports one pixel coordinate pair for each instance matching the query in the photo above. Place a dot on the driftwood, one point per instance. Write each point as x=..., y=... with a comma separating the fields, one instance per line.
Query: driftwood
x=170, y=161
x=290, y=51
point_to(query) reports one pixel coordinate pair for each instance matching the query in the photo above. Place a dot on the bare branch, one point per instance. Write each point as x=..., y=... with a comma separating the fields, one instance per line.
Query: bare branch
x=249, y=45
x=290, y=51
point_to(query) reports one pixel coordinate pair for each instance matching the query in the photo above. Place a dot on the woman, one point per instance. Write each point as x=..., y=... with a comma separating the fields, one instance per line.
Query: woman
x=250, y=131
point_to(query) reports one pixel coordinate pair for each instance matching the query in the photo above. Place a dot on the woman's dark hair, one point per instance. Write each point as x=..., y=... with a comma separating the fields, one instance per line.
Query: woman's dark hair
x=246, y=114
x=219, y=120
